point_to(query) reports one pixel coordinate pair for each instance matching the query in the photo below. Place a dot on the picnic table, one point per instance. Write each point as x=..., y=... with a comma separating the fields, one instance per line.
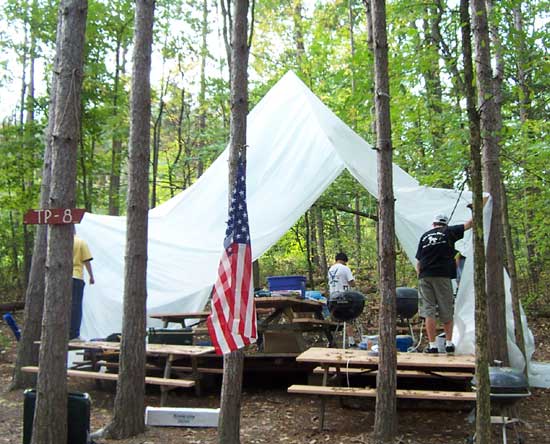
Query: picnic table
x=292, y=314
x=168, y=352
x=181, y=318
x=275, y=313
x=353, y=361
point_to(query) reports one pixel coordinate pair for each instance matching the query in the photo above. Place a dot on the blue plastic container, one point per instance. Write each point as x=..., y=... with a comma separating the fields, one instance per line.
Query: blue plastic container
x=13, y=325
x=403, y=342
x=275, y=283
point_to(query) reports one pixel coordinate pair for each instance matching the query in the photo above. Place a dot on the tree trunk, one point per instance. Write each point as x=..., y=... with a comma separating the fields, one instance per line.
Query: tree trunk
x=491, y=169
x=116, y=153
x=27, y=350
x=358, y=239
x=298, y=34
x=313, y=240
x=29, y=120
x=507, y=232
x=483, y=404
x=337, y=231
x=157, y=127
x=128, y=418
x=230, y=404
x=321, y=240
x=202, y=92
x=432, y=80
x=50, y=417
x=385, y=419
x=512, y=271
x=523, y=76
x=309, y=250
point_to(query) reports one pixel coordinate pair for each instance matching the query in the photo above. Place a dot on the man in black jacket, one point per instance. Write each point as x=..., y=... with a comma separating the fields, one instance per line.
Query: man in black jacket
x=435, y=267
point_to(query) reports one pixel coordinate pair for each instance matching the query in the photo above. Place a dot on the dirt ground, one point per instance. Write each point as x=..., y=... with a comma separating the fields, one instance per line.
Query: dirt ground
x=270, y=415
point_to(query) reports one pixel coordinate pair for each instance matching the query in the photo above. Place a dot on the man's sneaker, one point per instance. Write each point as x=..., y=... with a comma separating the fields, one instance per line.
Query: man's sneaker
x=450, y=348
x=431, y=350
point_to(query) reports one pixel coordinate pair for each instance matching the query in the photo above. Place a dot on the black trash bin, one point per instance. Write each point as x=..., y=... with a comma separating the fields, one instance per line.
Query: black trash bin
x=78, y=417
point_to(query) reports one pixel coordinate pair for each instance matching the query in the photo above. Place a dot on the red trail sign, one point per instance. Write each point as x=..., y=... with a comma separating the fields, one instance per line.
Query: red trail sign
x=54, y=216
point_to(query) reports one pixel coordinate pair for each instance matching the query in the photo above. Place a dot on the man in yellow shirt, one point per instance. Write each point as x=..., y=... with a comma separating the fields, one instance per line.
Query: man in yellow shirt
x=81, y=258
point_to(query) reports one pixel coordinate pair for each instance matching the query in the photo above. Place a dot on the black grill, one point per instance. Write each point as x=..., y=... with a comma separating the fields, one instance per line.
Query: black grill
x=346, y=305
x=406, y=302
x=506, y=381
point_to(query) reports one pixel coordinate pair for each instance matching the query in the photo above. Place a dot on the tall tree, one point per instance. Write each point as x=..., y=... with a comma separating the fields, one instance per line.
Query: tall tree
x=202, y=91
x=128, y=418
x=385, y=419
x=230, y=404
x=525, y=101
x=119, y=23
x=492, y=178
x=27, y=350
x=50, y=416
x=483, y=404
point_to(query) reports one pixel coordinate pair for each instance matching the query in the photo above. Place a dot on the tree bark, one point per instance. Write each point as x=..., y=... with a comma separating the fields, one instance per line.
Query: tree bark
x=230, y=403
x=128, y=418
x=491, y=176
x=385, y=419
x=157, y=129
x=202, y=92
x=321, y=240
x=309, y=251
x=27, y=350
x=507, y=232
x=50, y=416
x=524, y=80
x=483, y=404
x=116, y=150
x=358, y=238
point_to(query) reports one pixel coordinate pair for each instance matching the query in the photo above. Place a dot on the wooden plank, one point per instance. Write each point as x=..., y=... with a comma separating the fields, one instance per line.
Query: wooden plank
x=371, y=393
x=299, y=305
x=175, y=368
x=152, y=349
x=179, y=317
x=314, y=321
x=354, y=357
x=113, y=377
x=400, y=373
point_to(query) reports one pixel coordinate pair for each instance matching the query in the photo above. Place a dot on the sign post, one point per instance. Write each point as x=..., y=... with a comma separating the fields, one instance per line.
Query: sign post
x=54, y=216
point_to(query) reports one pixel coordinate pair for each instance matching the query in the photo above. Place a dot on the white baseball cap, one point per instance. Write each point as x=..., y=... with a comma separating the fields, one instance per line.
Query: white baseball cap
x=441, y=219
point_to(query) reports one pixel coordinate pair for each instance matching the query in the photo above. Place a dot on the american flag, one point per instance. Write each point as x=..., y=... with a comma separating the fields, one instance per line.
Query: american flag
x=232, y=323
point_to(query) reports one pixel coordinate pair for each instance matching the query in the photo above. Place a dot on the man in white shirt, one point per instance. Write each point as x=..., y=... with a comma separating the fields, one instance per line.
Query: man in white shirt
x=340, y=278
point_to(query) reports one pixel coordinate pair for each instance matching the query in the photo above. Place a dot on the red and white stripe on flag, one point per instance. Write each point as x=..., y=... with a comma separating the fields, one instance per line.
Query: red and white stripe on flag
x=232, y=323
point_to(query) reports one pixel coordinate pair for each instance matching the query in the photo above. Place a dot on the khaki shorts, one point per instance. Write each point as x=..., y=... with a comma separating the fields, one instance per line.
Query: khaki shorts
x=436, y=296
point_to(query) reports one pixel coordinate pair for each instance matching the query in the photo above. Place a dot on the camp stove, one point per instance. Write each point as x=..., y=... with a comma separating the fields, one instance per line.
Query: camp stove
x=508, y=386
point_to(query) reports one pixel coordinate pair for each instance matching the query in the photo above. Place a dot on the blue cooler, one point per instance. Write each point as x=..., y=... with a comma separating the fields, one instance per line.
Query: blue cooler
x=275, y=283
x=403, y=342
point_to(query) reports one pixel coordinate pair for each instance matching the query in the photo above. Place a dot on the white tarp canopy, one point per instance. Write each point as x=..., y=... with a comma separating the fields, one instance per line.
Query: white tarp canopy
x=297, y=148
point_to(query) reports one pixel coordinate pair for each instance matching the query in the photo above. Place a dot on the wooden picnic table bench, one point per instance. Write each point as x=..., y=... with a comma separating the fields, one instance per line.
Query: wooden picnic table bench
x=167, y=351
x=353, y=361
x=113, y=377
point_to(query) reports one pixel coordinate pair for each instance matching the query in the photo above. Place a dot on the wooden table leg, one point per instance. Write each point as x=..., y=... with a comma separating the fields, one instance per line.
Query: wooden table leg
x=167, y=373
x=196, y=375
x=323, y=401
